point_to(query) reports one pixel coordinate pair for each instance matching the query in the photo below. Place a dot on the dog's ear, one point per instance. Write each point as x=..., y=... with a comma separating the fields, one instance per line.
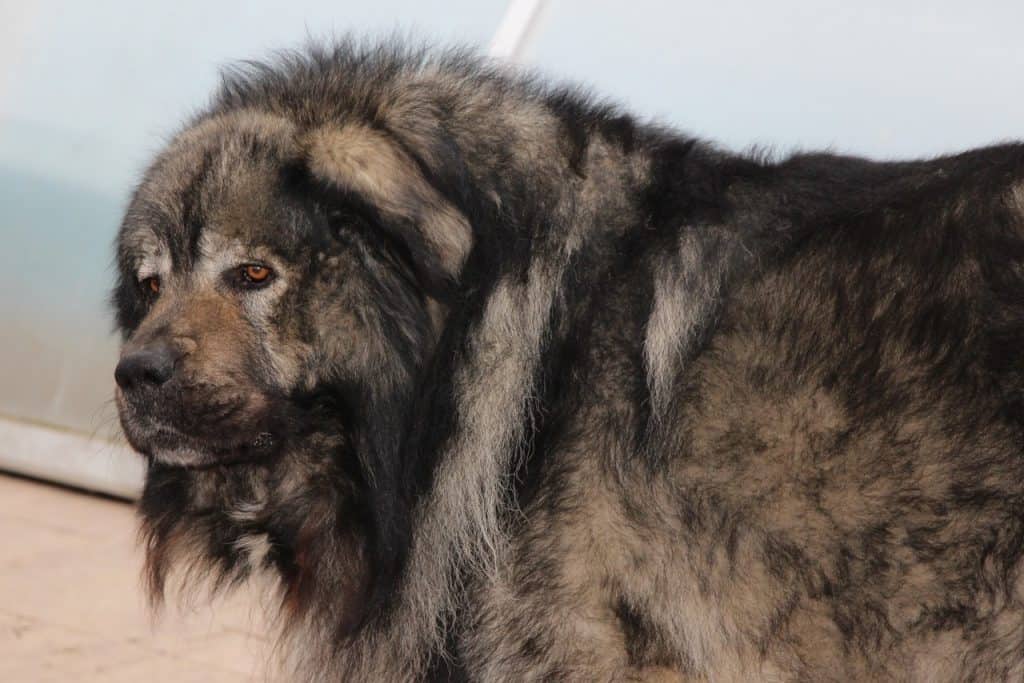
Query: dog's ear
x=362, y=164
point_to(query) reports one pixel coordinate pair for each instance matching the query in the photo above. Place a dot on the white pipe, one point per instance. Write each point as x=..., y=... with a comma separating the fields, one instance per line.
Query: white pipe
x=517, y=28
x=67, y=457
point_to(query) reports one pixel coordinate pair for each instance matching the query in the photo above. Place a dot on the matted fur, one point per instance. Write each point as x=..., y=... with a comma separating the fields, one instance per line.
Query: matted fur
x=540, y=392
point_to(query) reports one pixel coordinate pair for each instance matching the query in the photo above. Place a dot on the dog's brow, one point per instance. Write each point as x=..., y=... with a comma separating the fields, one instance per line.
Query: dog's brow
x=146, y=252
x=217, y=252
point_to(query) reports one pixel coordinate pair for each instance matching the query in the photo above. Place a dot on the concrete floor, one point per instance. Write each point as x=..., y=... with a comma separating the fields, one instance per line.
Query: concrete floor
x=71, y=608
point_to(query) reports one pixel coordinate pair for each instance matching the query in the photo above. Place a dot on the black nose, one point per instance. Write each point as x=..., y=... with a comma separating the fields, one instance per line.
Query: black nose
x=150, y=366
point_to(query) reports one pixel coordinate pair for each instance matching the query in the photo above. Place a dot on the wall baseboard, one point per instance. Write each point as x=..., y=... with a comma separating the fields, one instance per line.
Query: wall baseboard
x=70, y=458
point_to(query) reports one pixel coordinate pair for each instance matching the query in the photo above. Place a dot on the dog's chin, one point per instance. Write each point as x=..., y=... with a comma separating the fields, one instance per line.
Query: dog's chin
x=190, y=457
x=171, y=449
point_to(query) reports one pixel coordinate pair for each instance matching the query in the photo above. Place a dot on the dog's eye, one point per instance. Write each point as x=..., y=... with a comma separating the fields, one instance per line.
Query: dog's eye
x=151, y=285
x=254, y=275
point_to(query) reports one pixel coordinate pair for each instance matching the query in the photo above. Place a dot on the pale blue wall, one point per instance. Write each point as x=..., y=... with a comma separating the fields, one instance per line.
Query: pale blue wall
x=88, y=90
x=884, y=78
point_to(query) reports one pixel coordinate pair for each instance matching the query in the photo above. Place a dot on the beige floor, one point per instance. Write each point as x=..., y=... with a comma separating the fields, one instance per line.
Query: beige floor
x=71, y=608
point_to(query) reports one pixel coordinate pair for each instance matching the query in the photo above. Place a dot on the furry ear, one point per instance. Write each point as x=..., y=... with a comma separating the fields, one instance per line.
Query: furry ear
x=358, y=160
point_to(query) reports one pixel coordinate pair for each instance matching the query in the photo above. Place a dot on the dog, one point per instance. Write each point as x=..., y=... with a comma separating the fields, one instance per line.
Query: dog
x=495, y=381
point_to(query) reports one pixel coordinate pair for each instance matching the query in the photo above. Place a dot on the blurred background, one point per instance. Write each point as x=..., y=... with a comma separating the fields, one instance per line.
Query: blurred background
x=89, y=91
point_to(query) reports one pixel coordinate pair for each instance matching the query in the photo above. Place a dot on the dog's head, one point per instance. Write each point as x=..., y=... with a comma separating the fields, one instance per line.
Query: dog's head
x=280, y=291
x=260, y=265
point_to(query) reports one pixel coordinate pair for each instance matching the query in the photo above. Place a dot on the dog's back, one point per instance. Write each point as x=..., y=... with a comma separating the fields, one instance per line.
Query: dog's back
x=831, y=488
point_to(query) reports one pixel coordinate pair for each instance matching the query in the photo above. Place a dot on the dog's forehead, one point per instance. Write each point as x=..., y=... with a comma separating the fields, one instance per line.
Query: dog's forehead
x=214, y=155
x=215, y=189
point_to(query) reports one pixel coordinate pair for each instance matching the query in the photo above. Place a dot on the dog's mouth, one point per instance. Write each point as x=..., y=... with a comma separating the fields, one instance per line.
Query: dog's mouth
x=206, y=439
x=200, y=439
x=171, y=447
x=260, y=450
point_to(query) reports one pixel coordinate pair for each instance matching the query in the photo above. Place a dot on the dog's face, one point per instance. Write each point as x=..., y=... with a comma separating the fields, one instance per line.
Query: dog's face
x=259, y=269
x=220, y=294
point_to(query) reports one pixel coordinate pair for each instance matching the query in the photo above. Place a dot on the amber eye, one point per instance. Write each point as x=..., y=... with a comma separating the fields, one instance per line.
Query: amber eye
x=256, y=274
x=152, y=284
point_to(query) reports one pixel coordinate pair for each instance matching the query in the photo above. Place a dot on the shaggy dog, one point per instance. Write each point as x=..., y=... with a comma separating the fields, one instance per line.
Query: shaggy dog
x=499, y=383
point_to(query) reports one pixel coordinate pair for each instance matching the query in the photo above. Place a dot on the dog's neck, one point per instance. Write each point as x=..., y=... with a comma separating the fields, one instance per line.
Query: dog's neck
x=298, y=517
x=547, y=237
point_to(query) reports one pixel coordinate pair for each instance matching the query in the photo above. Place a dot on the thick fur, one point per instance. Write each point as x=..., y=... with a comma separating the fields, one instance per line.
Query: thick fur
x=541, y=392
